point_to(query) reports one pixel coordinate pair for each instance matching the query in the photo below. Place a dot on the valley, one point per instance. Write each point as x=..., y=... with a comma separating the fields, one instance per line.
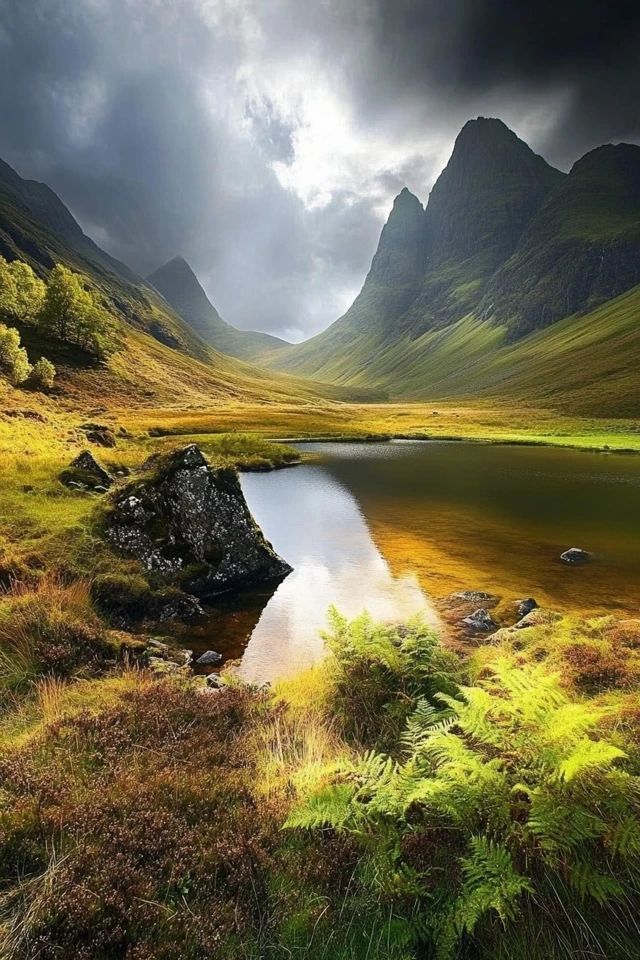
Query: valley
x=415, y=729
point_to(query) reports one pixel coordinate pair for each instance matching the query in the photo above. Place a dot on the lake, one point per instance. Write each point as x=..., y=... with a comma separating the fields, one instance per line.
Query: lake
x=395, y=527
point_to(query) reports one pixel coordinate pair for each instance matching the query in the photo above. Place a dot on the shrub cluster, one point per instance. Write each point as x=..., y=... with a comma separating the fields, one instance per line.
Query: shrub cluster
x=63, y=308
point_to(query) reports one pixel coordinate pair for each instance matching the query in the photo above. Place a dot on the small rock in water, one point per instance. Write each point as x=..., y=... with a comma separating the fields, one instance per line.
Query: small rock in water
x=208, y=658
x=481, y=621
x=526, y=606
x=575, y=556
x=473, y=596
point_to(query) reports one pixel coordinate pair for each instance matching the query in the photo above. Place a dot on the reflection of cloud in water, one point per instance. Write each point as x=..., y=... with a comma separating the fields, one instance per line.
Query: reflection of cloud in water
x=316, y=525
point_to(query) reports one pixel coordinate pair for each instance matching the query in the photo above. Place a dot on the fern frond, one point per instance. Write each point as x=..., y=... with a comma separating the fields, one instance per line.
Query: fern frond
x=329, y=807
x=588, y=755
x=490, y=883
x=590, y=883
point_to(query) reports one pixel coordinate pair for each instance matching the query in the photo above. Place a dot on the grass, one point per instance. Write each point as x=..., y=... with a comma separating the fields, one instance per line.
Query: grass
x=143, y=818
x=581, y=366
x=488, y=421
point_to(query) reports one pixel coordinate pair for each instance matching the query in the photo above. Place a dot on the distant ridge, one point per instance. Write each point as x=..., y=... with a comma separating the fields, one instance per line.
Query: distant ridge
x=47, y=208
x=180, y=287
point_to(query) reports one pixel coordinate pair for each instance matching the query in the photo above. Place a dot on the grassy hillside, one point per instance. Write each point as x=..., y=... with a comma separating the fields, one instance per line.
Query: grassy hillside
x=585, y=364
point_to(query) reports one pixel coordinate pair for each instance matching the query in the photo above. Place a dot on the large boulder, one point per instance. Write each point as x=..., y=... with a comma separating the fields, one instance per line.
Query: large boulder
x=190, y=524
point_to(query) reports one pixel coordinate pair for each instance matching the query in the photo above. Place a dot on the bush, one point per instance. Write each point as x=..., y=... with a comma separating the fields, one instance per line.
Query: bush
x=43, y=374
x=379, y=672
x=14, y=361
x=160, y=851
x=29, y=291
x=49, y=629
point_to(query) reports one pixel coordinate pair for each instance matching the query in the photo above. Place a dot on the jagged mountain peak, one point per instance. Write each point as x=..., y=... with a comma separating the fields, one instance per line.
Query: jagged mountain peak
x=176, y=267
x=489, y=190
x=406, y=200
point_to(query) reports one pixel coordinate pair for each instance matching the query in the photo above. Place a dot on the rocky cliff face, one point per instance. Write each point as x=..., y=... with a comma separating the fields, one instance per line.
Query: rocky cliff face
x=190, y=524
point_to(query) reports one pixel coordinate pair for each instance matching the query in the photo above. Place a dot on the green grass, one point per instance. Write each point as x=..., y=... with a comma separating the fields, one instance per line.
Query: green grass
x=585, y=365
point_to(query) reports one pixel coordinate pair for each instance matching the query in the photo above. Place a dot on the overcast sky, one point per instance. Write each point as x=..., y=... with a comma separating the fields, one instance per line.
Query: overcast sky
x=264, y=140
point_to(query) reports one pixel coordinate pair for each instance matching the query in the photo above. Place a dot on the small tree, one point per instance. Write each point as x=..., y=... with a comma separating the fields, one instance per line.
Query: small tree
x=14, y=361
x=29, y=291
x=65, y=303
x=74, y=314
x=43, y=374
x=7, y=290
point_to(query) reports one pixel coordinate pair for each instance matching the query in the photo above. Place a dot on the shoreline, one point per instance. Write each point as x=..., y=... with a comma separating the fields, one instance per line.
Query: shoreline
x=456, y=438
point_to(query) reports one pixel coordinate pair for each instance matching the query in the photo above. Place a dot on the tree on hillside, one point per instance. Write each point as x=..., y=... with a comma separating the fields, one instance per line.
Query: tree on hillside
x=43, y=374
x=13, y=357
x=29, y=291
x=7, y=290
x=21, y=291
x=74, y=314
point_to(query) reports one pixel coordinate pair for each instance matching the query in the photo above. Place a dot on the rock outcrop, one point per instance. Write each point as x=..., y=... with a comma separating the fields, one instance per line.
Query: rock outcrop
x=85, y=473
x=190, y=524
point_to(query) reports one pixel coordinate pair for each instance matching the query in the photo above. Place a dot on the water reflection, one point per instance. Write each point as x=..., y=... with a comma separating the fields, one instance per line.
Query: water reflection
x=316, y=524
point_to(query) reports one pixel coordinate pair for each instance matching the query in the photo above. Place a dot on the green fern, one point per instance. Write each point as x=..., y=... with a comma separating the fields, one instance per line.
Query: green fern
x=491, y=883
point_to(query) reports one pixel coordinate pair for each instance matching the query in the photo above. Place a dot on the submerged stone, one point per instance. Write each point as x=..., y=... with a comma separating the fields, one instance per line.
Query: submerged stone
x=190, y=524
x=526, y=606
x=481, y=621
x=473, y=596
x=575, y=556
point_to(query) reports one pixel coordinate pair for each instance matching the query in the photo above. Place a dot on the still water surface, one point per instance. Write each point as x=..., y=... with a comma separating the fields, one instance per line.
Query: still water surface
x=393, y=527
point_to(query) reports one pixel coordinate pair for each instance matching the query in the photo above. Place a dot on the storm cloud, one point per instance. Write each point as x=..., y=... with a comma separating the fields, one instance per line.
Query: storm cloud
x=264, y=140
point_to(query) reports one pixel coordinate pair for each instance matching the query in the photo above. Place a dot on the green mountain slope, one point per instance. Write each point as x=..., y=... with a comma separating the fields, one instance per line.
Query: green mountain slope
x=25, y=237
x=180, y=287
x=507, y=246
x=46, y=207
x=584, y=364
x=580, y=249
x=432, y=265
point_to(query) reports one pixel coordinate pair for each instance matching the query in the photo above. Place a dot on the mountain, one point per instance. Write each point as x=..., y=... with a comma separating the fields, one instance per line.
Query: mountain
x=581, y=248
x=180, y=287
x=36, y=226
x=162, y=360
x=506, y=247
x=47, y=208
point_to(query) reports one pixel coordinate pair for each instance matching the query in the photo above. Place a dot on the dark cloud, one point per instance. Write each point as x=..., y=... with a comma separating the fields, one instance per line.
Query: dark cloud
x=264, y=141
